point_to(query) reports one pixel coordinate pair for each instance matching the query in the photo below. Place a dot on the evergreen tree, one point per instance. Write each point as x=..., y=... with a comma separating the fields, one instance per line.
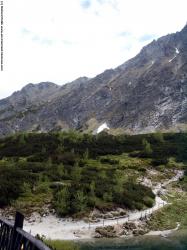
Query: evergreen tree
x=92, y=196
x=79, y=203
x=86, y=154
x=62, y=201
x=76, y=173
x=147, y=147
x=60, y=170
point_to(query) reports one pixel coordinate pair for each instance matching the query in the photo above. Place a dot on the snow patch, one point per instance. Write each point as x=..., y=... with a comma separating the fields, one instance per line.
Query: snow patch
x=102, y=127
x=172, y=59
x=177, y=51
x=152, y=62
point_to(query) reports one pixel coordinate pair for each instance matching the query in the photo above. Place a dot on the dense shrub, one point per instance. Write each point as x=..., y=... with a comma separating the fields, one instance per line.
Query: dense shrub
x=159, y=161
x=11, y=184
x=108, y=160
x=135, y=196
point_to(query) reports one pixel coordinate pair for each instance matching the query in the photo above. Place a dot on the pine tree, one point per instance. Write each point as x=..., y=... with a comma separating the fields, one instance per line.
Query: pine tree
x=62, y=201
x=147, y=147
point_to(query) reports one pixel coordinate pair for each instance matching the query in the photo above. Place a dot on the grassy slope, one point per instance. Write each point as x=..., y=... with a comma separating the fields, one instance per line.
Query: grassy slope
x=167, y=217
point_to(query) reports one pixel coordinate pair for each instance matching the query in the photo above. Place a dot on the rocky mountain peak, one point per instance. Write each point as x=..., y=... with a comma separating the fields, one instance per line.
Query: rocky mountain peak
x=39, y=86
x=146, y=93
x=33, y=93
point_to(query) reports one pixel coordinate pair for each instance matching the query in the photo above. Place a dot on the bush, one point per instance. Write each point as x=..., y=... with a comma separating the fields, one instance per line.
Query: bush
x=135, y=154
x=147, y=150
x=67, y=158
x=161, y=161
x=62, y=201
x=11, y=184
x=139, y=205
x=133, y=196
x=110, y=161
x=148, y=201
x=42, y=188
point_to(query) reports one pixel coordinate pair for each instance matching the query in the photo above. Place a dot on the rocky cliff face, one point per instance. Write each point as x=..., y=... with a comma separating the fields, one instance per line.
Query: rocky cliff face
x=146, y=93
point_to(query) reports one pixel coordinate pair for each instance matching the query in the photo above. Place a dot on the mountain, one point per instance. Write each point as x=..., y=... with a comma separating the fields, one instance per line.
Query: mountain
x=146, y=93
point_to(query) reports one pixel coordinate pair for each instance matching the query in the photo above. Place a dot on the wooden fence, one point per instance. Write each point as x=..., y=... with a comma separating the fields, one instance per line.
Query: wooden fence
x=13, y=237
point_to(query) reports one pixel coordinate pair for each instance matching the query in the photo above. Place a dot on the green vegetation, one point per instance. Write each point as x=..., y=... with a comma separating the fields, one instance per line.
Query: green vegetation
x=59, y=245
x=76, y=172
x=147, y=150
x=176, y=211
x=167, y=217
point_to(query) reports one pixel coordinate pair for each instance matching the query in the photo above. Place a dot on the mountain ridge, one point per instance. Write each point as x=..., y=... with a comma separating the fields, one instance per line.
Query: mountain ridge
x=146, y=93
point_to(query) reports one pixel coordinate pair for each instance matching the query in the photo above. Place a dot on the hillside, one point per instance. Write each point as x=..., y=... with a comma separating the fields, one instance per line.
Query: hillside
x=147, y=93
x=72, y=173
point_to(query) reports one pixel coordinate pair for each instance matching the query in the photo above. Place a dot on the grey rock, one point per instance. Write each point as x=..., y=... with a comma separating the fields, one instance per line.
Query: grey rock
x=147, y=93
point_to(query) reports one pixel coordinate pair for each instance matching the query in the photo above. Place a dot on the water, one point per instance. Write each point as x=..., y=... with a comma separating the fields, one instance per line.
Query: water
x=178, y=241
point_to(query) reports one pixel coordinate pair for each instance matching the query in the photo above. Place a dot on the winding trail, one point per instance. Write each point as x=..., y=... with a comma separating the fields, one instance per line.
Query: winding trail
x=59, y=228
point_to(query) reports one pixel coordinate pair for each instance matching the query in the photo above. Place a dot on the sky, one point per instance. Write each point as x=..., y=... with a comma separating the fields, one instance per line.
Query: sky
x=61, y=40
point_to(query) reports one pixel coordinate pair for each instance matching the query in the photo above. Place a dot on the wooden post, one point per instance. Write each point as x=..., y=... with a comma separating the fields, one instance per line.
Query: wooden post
x=19, y=218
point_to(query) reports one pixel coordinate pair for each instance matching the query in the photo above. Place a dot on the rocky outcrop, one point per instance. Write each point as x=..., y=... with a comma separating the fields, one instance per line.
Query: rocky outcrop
x=146, y=93
x=127, y=229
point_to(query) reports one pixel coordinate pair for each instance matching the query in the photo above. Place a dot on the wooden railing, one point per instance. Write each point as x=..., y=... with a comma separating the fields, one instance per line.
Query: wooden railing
x=13, y=237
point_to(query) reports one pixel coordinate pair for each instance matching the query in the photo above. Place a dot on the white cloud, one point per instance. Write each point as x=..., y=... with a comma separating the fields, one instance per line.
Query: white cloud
x=61, y=40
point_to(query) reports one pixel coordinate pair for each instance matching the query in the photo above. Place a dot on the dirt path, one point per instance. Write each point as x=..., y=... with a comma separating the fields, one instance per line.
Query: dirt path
x=59, y=228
